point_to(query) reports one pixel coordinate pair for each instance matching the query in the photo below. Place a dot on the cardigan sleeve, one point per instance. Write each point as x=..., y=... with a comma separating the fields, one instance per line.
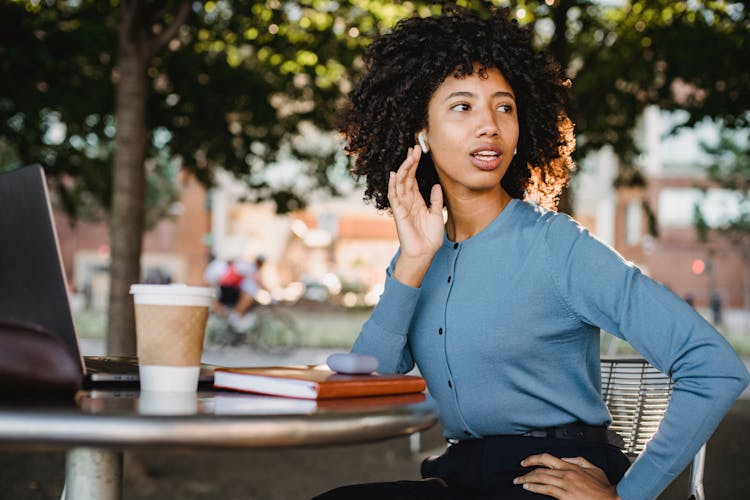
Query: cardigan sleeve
x=384, y=334
x=602, y=289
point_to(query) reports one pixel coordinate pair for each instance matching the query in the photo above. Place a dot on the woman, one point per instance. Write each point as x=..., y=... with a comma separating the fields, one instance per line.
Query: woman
x=500, y=303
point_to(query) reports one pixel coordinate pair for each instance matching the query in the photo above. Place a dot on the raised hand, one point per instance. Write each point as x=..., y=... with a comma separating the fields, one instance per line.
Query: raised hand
x=420, y=229
x=566, y=478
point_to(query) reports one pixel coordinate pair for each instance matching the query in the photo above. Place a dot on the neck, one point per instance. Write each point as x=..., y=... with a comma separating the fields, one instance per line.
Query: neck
x=467, y=217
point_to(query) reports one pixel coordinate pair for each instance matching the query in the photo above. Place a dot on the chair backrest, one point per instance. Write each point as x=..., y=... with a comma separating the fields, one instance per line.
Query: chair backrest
x=637, y=395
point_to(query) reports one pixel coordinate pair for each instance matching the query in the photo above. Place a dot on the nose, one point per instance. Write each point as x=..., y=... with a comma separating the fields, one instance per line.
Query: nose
x=486, y=124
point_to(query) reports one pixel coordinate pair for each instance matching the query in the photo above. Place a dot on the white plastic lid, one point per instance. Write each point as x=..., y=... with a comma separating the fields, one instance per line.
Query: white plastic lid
x=173, y=294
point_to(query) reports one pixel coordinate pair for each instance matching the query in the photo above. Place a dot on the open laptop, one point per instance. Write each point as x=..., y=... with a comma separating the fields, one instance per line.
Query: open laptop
x=33, y=285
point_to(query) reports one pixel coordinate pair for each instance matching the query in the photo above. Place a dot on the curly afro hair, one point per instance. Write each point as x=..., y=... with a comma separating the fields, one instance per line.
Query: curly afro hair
x=405, y=67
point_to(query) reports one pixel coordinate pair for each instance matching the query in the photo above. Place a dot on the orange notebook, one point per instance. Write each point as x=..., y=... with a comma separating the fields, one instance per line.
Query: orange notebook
x=314, y=382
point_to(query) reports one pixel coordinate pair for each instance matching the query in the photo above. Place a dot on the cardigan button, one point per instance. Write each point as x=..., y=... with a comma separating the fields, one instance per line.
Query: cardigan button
x=440, y=330
x=455, y=245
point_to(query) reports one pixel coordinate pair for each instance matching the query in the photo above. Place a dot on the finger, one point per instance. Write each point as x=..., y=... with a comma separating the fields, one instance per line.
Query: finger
x=545, y=481
x=545, y=489
x=542, y=476
x=404, y=164
x=579, y=461
x=402, y=173
x=436, y=199
x=417, y=152
x=544, y=460
x=408, y=166
x=392, y=192
x=410, y=181
x=395, y=177
x=408, y=173
x=588, y=468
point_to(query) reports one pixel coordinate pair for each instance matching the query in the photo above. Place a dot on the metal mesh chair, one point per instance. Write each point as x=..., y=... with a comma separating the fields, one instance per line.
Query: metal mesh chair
x=637, y=395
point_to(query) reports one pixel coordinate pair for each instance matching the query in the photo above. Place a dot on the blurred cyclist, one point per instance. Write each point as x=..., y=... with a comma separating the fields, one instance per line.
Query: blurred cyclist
x=250, y=285
x=238, y=281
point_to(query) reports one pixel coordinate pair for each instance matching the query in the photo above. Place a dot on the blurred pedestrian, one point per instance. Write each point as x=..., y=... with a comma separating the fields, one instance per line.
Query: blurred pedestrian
x=716, y=307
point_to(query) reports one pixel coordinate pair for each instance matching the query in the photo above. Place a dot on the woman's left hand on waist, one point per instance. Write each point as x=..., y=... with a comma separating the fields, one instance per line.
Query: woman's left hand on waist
x=566, y=478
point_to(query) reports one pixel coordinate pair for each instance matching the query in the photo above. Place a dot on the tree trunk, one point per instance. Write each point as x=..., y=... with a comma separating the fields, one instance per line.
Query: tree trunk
x=558, y=46
x=127, y=213
x=135, y=49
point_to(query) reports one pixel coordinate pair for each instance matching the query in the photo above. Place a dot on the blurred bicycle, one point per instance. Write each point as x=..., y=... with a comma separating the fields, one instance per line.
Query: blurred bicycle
x=265, y=328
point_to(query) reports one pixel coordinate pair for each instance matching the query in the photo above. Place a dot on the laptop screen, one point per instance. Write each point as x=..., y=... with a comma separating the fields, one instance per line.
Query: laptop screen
x=33, y=286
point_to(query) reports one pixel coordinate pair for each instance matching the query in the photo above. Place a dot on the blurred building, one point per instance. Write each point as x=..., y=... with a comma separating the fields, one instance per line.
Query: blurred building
x=347, y=239
x=674, y=170
x=174, y=251
x=333, y=247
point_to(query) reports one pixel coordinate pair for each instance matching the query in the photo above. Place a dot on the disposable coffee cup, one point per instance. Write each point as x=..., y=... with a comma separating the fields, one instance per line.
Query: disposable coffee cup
x=170, y=323
x=168, y=403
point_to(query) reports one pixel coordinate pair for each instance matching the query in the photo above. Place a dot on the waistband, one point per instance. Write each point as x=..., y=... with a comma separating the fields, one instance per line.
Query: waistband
x=579, y=431
x=576, y=431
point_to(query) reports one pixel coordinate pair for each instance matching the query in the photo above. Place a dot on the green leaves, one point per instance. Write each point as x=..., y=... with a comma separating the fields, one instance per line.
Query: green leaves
x=240, y=77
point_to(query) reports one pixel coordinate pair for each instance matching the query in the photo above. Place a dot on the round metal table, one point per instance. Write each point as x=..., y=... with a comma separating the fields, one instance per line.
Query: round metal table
x=101, y=424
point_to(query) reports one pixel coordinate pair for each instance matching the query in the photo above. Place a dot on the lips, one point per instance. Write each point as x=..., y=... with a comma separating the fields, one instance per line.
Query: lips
x=486, y=157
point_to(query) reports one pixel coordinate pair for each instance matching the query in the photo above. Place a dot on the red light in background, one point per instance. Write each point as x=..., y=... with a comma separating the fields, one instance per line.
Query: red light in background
x=698, y=266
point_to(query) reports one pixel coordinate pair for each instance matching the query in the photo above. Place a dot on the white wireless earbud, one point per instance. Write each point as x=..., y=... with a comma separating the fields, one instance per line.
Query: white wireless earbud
x=422, y=143
x=515, y=152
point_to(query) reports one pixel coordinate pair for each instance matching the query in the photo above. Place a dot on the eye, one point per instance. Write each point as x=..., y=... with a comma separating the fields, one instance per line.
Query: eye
x=460, y=107
x=505, y=108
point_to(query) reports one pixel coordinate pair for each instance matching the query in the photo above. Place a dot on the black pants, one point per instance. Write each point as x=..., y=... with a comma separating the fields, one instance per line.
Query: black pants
x=484, y=469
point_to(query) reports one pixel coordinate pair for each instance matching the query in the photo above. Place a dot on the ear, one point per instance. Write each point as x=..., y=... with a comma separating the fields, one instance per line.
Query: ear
x=422, y=142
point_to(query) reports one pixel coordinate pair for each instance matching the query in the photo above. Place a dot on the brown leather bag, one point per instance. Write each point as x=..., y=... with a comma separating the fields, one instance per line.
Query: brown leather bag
x=35, y=363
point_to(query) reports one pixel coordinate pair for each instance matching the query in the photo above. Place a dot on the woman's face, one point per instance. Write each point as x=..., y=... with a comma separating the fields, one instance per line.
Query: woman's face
x=472, y=131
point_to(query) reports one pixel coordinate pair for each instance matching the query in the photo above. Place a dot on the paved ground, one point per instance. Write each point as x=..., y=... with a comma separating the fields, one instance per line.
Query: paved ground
x=301, y=473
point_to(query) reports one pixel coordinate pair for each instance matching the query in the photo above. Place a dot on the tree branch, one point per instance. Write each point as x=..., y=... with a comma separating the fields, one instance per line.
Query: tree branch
x=170, y=31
